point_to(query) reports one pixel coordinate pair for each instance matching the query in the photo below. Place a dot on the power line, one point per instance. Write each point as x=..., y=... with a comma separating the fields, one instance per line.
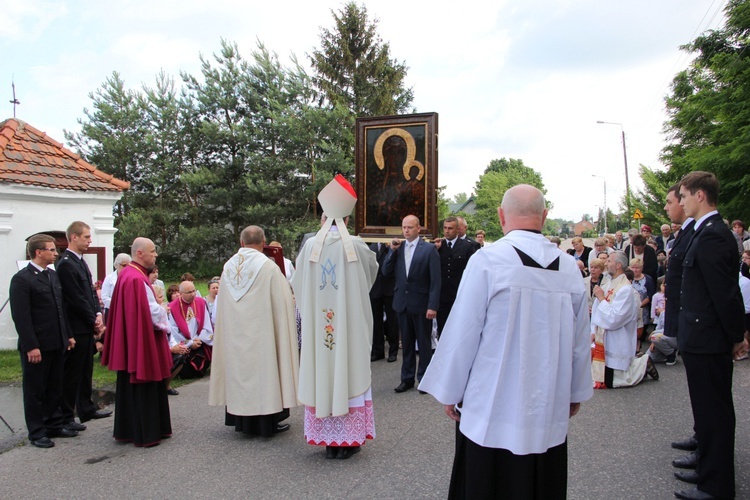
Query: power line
x=651, y=108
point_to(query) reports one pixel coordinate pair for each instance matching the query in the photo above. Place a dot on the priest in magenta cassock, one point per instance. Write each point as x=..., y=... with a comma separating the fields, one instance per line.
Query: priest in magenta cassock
x=335, y=272
x=255, y=359
x=513, y=363
x=190, y=326
x=136, y=346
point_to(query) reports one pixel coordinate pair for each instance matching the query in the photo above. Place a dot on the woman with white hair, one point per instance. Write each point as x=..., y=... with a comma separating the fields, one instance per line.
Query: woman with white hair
x=108, y=286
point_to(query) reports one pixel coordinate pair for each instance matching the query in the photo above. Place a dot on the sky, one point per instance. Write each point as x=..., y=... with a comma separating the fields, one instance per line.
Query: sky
x=525, y=79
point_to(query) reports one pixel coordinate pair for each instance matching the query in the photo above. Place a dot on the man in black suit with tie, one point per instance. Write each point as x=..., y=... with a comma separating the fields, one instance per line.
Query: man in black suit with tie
x=416, y=297
x=381, y=300
x=462, y=228
x=664, y=349
x=454, y=255
x=36, y=305
x=85, y=321
x=710, y=330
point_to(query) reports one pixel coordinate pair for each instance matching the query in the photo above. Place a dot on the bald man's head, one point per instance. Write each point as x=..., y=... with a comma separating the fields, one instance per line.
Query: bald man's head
x=143, y=252
x=410, y=227
x=523, y=207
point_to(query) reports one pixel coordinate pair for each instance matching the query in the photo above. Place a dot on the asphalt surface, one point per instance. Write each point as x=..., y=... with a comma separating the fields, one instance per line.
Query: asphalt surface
x=619, y=448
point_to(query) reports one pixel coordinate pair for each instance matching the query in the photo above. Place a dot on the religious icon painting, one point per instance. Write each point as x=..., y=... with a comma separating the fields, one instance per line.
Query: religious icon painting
x=396, y=174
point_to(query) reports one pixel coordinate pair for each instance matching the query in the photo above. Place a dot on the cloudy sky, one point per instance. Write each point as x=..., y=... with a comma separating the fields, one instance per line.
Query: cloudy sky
x=523, y=79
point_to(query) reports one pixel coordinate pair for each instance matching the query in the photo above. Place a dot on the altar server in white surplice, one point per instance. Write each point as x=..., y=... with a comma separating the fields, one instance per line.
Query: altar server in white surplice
x=335, y=272
x=513, y=363
x=255, y=364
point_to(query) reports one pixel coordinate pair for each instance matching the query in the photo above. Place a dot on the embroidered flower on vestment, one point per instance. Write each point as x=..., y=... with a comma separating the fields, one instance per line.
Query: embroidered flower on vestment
x=328, y=339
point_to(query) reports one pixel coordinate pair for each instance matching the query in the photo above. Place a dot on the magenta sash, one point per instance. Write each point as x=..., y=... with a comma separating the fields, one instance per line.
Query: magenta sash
x=199, y=308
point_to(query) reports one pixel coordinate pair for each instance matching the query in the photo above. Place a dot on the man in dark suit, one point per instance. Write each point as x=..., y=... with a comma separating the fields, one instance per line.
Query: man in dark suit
x=36, y=305
x=710, y=329
x=85, y=321
x=665, y=348
x=665, y=237
x=416, y=297
x=462, y=228
x=639, y=249
x=381, y=300
x=454, y=255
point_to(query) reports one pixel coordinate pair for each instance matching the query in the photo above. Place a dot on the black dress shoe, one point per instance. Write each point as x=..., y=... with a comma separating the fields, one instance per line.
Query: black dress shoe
x=687, y=461
x=689, y=476
x=43, y=442
x=403, y=387
x=332, y=451
x=690, y=444
x=74, y=426
x=347, y=451
x=173, y=392
x=392, y=359
x=97, y=414
x=694, y=494
x=422, y=392
x=377, y=357
x=281, y=428
x=62, y=432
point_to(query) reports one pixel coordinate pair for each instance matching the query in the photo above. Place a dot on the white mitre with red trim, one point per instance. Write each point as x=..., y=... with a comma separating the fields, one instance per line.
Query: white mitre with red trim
x=337, y=200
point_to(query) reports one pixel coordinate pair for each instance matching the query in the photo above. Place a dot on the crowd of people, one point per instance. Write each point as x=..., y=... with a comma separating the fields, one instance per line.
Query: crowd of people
x=464, y=313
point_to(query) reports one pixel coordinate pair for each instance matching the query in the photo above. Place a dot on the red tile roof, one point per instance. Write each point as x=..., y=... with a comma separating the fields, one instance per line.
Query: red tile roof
x=28, y=156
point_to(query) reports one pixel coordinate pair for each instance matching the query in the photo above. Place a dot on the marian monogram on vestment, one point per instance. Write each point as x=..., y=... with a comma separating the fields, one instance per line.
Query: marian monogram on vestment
x=328, y=272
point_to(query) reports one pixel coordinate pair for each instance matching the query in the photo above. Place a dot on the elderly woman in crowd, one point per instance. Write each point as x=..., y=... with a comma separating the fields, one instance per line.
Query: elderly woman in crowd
x=600, y=245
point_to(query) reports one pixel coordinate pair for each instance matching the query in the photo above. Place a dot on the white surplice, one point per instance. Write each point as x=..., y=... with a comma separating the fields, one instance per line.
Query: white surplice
x=515, y=348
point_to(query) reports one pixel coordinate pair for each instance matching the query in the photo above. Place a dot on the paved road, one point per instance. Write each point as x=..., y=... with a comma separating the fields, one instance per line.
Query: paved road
x=619, y=449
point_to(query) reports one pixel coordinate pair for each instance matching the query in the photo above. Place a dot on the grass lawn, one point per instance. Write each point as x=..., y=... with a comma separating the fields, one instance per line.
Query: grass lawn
x=10, y=372
x=10, y=361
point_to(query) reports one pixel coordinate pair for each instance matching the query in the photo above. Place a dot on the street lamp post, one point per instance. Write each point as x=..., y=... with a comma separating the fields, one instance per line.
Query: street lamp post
x=605, y=201
x=625, y=157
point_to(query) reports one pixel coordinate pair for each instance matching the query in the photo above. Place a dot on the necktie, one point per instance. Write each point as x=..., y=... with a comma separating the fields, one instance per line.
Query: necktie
x=408, y=255
x=450, y=245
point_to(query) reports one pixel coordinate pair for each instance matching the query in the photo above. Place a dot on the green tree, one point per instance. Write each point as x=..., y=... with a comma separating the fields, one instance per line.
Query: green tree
x=443, y=210
x=244, y=142
x=354, y=69
x=134, y=135
x=709, y=116
x=460, y=198
x=651, y=199
x=112, y=136
x=499, y=176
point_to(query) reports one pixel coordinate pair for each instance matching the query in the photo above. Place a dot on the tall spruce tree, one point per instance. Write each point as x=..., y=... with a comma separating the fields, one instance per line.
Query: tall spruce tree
x=354, y=69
